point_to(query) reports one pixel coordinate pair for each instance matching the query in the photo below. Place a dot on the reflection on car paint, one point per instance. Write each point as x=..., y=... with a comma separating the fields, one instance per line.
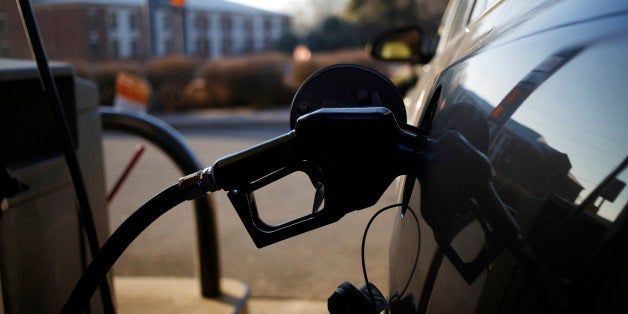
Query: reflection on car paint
x=544, y=98
x=518, y=94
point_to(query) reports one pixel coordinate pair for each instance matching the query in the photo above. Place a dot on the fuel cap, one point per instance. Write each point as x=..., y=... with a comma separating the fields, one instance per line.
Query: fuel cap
x=346, y=86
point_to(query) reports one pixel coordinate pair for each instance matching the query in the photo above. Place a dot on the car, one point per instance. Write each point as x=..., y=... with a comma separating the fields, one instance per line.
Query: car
x=538, y=89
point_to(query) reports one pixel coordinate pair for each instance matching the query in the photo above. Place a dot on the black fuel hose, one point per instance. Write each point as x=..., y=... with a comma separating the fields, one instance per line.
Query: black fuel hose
x=118, y=242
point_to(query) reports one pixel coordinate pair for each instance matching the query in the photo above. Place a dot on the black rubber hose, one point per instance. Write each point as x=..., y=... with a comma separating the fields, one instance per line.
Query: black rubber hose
x=117, y=243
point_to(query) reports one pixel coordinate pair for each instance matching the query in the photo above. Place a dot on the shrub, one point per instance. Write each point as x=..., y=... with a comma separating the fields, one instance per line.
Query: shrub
x=168, y=77
x=303, y=69
x=256, y=80
x=104, y=74
x=181, y=83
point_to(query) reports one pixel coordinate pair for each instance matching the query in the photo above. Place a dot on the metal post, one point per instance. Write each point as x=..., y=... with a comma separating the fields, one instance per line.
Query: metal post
x=173, y=144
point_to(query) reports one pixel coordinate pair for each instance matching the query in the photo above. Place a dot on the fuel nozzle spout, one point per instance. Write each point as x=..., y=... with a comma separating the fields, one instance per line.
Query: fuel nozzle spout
x=351, y=155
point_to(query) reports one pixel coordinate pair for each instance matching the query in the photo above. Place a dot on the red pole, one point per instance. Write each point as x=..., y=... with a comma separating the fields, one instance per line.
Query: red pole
x=139, y=151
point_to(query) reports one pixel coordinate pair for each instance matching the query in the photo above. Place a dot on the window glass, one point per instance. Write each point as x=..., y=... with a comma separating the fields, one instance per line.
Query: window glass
x=577, y=134
x=3, y=24
x=113, y=20
x=5, y=51
x=612, y=198
x=167, y=22
x=135, y=50
x=94, y=50
x=92, y=19
x=133, y=18
x=114, y=48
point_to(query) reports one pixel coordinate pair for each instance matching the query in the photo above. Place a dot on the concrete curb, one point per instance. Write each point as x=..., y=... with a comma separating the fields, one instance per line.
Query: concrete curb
x=177, y=295
x=225, y=119
x=166, y=295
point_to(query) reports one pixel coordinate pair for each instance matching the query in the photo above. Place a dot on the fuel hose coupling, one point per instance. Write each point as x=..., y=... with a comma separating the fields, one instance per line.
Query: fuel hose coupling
x=198, y=184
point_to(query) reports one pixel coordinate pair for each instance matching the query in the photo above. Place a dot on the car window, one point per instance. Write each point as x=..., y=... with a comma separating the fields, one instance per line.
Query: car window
x=580, y=132
x=556, y=136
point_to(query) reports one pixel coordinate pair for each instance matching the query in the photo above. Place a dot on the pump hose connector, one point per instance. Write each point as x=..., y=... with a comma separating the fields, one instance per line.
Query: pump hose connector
x=197, y=184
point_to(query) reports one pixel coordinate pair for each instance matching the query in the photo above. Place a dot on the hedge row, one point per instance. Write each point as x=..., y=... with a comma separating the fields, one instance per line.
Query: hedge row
x=182, y=83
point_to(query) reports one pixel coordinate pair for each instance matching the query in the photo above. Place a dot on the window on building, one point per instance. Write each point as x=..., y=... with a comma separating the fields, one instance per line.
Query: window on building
x=168, y=46
x=198, y=22
x=226, y=46
x=248, y=29
x=92, y=20
x=268, y=24
x=5, y=50
x=226, y=22
x=114, y=49
x=135, y=48
x=166, y=22
x=133, y=21
x=94, y=50
x=3, y=24
x=249, y=45
x=200, y=46
x=113, y=20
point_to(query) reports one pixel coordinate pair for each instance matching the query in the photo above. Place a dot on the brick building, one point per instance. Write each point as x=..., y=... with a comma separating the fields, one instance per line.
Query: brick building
x=99, y=30
x=217, y=28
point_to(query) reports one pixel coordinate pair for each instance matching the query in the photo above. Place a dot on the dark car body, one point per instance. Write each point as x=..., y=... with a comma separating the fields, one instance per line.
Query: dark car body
x=539, y=88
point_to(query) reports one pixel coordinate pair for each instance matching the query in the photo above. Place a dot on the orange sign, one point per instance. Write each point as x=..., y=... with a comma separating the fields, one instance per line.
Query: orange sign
x=132, y=92
x=177, y=3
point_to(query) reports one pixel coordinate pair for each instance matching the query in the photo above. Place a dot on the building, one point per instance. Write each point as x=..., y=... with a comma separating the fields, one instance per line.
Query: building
x=100, y=30
x=220, y=28
x=13, y=41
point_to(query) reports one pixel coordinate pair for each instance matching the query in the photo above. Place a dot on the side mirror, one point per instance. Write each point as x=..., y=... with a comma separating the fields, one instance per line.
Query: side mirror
x=400, y=44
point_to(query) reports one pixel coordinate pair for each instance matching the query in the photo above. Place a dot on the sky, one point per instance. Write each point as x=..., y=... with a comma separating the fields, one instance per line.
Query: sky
x=283, y=6
x=305, y=13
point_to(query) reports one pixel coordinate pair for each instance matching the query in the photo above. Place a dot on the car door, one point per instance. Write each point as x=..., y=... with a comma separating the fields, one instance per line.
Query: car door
x=547, y=109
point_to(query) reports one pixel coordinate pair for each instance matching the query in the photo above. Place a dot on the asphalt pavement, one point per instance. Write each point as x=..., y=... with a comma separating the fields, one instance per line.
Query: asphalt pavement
x=306, y=268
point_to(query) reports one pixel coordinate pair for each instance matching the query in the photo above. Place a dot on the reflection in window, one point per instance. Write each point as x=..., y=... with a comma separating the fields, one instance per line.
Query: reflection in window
x=613, y=197
x=572, y=137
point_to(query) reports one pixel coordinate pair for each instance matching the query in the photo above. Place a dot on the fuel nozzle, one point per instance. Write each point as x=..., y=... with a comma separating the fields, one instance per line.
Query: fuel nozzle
x=351, y=155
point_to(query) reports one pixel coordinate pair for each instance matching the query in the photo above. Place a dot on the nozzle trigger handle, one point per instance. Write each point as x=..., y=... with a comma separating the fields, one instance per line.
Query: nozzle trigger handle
x=263, y=234
x=244, y=172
